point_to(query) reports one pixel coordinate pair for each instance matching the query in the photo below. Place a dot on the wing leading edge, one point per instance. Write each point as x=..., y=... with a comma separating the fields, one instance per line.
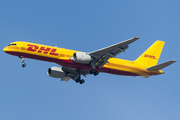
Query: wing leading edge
x=111, y=48
x=101, y=56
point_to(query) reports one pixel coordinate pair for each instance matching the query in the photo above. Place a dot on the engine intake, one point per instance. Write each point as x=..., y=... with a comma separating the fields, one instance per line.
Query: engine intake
x=82, y=57
x=56, y=72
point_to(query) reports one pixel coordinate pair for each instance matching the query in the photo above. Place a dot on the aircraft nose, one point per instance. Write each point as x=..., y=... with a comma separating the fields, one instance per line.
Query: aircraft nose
x=5, y=49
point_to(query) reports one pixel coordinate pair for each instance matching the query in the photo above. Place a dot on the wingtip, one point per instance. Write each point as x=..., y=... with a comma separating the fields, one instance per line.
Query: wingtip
x=137, y=37
x=174, y=60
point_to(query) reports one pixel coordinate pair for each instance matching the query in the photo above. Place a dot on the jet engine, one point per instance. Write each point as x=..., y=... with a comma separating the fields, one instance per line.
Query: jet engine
x=56, y=72
x=82, y=57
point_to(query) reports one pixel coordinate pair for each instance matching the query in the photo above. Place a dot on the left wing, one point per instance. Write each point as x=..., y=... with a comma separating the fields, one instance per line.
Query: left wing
x=101, y=56
x=72, y=73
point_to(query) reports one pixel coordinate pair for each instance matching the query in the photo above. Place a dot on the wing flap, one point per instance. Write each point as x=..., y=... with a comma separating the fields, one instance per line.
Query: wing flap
x=161, y=66
x=71, y=73
x=65, y=78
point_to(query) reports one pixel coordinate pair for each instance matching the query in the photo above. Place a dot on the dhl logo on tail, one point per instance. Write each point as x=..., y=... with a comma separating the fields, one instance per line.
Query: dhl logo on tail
x=150, y=56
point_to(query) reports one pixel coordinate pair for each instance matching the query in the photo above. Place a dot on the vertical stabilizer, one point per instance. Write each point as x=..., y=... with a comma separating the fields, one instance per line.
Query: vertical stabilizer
x=151, y=56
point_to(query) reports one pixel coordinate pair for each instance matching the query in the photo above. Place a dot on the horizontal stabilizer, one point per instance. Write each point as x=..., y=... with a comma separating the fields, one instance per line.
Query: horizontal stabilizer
x=161, y=66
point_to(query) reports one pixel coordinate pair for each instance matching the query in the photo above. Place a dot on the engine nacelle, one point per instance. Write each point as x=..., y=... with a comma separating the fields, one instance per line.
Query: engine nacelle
x=56, y=72
x=82, y=57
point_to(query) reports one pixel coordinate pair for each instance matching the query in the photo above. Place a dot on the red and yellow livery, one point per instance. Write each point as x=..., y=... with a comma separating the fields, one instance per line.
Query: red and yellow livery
x=76, y=63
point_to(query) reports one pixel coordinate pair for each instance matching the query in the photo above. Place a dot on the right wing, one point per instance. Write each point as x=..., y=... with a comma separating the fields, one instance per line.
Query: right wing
x=101, y=56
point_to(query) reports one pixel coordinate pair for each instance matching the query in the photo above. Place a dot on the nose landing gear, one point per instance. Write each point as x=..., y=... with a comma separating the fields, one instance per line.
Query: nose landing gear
x=22, y=60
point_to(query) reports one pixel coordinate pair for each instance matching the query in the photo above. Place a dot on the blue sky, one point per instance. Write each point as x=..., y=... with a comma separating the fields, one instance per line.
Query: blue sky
x=29, y=93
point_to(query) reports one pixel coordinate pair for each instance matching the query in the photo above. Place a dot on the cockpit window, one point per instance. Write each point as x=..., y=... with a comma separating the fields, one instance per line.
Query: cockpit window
x=12, y=44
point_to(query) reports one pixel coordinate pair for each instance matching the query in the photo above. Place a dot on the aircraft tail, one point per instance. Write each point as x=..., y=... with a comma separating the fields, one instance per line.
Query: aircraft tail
x=151, y=56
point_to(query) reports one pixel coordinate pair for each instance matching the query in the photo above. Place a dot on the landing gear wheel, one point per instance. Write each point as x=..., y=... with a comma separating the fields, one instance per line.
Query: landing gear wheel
x=82, y=81
x=23, y=65
x=77, y=80
x=96, y=73
x=92, y=71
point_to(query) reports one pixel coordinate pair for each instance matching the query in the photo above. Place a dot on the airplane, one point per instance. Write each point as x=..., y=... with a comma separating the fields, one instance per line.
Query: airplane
x=77, y=63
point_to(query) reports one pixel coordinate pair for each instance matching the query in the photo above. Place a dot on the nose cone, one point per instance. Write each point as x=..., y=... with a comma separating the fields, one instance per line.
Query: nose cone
x=5, y=49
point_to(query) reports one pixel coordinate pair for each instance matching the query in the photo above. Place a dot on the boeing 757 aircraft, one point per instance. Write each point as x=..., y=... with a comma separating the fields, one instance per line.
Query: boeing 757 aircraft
x=76, y=63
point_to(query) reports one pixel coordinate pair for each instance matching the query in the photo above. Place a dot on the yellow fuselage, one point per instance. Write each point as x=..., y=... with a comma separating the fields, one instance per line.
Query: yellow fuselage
x=61, y=56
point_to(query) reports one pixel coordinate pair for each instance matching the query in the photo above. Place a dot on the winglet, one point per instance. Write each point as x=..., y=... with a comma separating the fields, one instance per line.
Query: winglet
x=161, y=66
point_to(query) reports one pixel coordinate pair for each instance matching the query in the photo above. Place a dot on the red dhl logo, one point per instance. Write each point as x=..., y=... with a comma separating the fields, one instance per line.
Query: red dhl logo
x=44, y=50
x=149, y=56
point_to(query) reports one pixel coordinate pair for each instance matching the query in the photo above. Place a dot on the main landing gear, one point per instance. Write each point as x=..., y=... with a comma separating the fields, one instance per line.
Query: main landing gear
x=78, y=76
x=79, y=80
x=22, y=60
x=94, y=72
